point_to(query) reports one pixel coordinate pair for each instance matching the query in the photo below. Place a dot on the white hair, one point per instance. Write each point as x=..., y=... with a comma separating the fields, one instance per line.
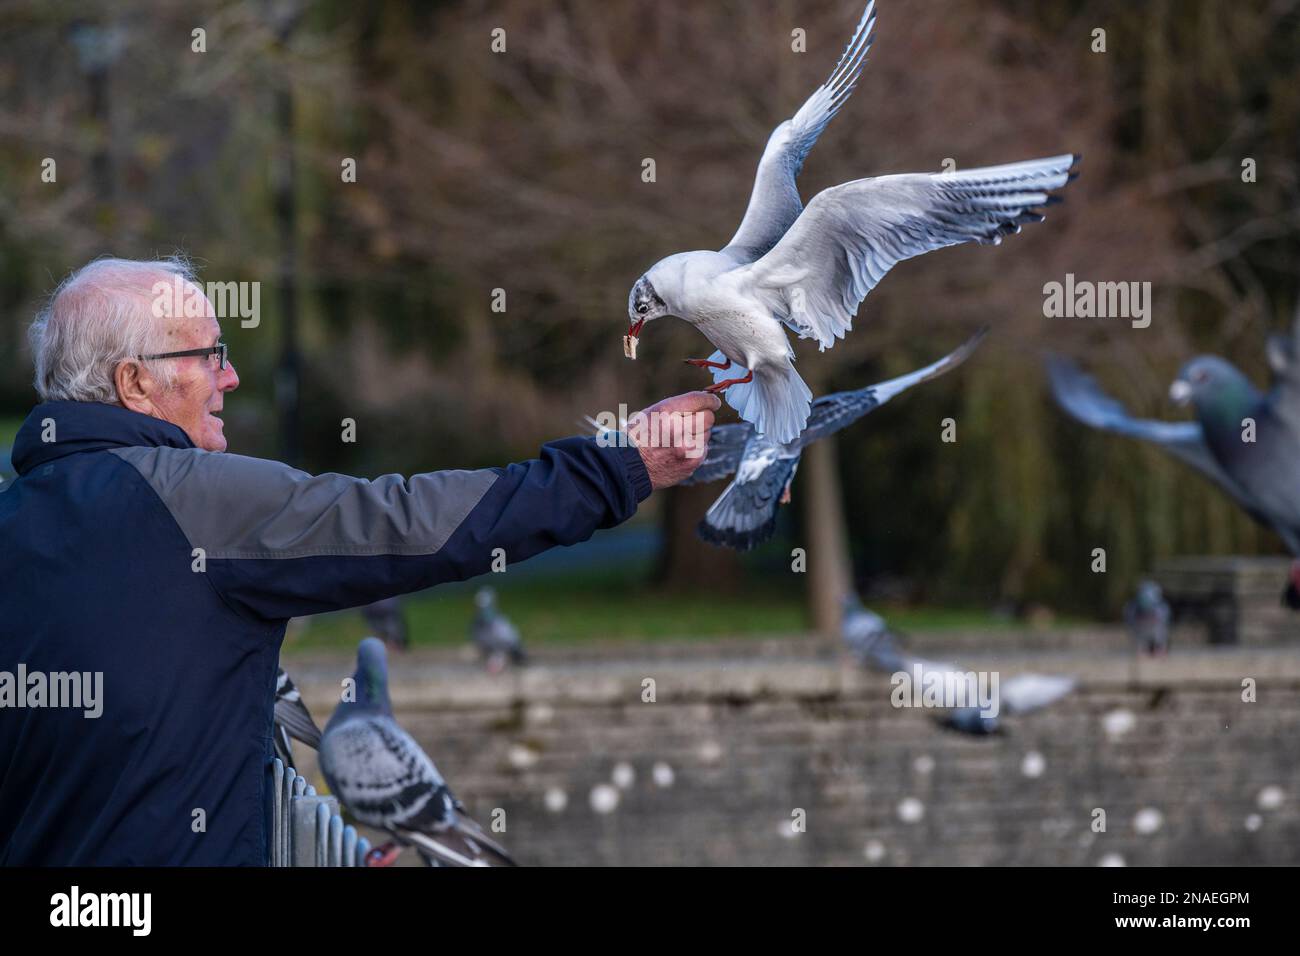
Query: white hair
x=99, y=316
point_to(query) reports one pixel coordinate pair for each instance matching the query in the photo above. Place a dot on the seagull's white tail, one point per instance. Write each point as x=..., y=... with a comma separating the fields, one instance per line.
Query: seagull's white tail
x=776, y=402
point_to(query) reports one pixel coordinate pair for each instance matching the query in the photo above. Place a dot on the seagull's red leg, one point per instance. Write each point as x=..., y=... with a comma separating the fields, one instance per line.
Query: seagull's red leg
x=725, y=384
x=383, y=855
x=706, y=363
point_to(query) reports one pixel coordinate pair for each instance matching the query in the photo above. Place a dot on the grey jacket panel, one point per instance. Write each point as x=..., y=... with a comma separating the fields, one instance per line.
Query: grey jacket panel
x=233, y=506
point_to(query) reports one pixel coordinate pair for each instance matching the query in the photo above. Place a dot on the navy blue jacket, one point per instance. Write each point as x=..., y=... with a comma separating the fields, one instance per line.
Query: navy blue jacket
x=171, y=571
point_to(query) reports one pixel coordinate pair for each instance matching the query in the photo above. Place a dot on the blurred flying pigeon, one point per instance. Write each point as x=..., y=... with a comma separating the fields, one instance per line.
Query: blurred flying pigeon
x=1147, y=617
x=381, y=775
x=1245, y=441
x=809, y=269
x=387, y=621
x=292, y=719
x=744, y=515
x=492, y=633
x=874, y=644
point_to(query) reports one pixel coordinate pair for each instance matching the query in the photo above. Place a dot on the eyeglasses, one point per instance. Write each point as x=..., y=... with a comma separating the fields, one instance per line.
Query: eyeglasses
x=220, y=349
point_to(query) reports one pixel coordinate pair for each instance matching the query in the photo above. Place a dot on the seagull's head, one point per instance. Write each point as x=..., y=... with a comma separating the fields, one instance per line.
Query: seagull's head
x=643, y=305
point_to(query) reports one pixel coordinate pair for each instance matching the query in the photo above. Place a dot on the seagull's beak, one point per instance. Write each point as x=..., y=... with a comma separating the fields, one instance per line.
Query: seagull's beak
x=634, y=329
x=1180, y=393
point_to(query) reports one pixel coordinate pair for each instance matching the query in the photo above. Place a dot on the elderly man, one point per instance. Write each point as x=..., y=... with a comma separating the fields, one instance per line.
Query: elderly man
x=146, y=579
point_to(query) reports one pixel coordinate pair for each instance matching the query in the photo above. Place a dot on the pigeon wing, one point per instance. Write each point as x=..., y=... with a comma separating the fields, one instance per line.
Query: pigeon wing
x=291, y=714
x=726, y=444
x=1026, y=692
x=842, y=245
x=744, y=515
x=379, y=772
x=774, y=203
x=830, y=413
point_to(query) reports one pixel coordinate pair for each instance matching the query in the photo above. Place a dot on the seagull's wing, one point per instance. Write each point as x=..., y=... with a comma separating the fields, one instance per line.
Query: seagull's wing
x=744, y=515
x=1081, y=397
x=292, y=715
x=842, y=245
x=726, y=444
x=1026, y=692
x=774, y=204
x=830, y=413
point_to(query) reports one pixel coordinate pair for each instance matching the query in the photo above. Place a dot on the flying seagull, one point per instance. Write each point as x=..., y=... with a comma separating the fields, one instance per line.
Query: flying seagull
x=292, y=719
x=744, y=515
x=874, y=645
x=381, y=775
x=809, y=269
x=387, y=620
x=1245, y=441
x=496, y=638
x=1147, y=617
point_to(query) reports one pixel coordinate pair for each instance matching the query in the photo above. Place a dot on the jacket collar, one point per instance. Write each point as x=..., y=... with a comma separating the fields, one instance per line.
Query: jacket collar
x=87, y=426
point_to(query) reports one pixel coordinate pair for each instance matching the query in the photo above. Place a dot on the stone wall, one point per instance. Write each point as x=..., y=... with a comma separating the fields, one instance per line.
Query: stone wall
x=741, y=735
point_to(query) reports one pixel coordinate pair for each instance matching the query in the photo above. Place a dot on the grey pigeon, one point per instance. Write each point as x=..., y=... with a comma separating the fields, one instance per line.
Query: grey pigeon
x=386, y=619
x=492, y=633
x=876, y=647
x=381, y=775
x=744, y=515
x=1259, y=474
x=292, y=719
x=1147, y=617
x=808, y=270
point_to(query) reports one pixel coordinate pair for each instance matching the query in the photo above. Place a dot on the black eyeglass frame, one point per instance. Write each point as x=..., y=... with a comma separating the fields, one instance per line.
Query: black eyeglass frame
x=221, y=348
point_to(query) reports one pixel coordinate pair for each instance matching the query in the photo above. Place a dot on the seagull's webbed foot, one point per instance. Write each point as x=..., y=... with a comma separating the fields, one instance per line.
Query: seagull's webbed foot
x=726, y=383
x=709, y=363
x=385, y=855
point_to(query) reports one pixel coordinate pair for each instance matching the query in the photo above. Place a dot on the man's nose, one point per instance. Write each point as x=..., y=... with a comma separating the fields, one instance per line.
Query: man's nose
x=230, y=378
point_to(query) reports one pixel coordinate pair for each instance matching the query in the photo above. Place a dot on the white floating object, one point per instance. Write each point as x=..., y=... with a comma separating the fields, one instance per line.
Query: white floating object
x=910, y=810
x=604, y=798
x=874, y=851
x=541, y=713
x=1270, y=798
x=1148, y=820
x=663, y=774
x=1118, y=722
x=1033, y=765
x=710, y=751
x=923, y=764
x=623, y=776
x=1112, y=859
x=521, y=757
x=556, y=800
x=1254, y=822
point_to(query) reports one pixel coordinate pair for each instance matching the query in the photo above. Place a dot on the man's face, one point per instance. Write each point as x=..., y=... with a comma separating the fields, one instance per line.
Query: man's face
x=198, y=387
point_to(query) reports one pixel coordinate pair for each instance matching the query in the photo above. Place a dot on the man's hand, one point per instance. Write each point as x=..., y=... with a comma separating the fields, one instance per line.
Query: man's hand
x=673, y=436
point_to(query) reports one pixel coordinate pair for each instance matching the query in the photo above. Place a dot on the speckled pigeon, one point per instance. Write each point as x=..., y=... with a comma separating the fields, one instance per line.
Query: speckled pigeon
x=496, y=638
x=744, y=515
x=1245, y=441
x=809, y=269
x=292, y=719
x=1147, y=617
x=385, y=780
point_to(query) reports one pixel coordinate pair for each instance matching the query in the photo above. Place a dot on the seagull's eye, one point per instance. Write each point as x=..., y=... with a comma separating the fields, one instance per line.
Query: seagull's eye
x=642, y=309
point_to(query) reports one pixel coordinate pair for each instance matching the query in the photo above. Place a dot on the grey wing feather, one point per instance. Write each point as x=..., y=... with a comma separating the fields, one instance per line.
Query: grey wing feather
x=726, y=444
x=830, y=413
x=744, y=515
x=381, y=774
x=292, y=714
x=1026, y=692
x=774, y=203
x=842, y=245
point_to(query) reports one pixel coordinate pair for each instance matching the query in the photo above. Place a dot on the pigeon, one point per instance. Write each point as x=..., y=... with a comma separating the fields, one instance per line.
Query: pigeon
x=876, y=647
x=744, y=515
x=808, y=270
x=387, y=620
x=385, y=780
x=492, y=633
x=292, y=719
x=1245, y=441
x=1147, y=617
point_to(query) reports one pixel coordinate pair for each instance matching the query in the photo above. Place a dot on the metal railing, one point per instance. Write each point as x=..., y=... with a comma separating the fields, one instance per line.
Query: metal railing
x=306, y=829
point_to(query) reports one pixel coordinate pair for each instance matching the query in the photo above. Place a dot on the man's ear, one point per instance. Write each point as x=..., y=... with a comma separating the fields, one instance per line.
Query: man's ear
x=134, y=386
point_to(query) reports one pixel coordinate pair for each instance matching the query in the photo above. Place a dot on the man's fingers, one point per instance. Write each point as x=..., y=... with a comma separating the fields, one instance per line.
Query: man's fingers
x=693, y=402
